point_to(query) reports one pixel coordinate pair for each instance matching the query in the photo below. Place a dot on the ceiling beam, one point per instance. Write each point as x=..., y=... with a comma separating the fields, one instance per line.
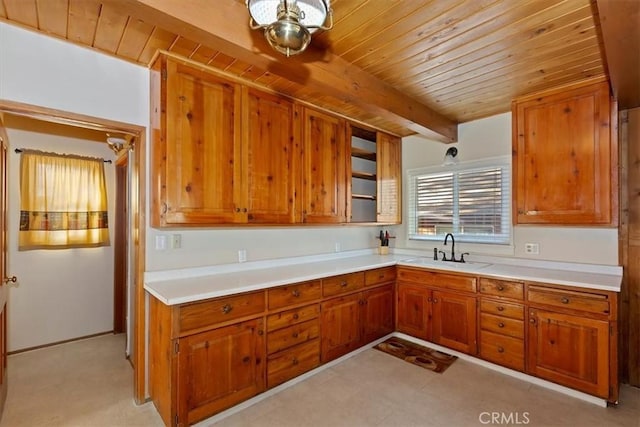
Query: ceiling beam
x=620, y=23
x=223, y=25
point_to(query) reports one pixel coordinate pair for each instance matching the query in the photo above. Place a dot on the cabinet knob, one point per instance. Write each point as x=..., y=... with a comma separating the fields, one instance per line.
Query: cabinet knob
x=294, y=361
x=296, y=293
x=500, y=288
x=500, y=325
x=532, y=321
x=237, y=209
x=380, y=277
x=500, y=308
x=260, y=332
x=435, y=300
x=564, y=300
x=343, y=284
x=500, y=350
x=295, y=316
x=294, y=335
x=429, y=299
x=226, y=309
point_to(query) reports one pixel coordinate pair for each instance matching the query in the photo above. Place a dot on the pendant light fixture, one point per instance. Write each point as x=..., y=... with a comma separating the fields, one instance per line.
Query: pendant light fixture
x=450, y=157
x=288, y=24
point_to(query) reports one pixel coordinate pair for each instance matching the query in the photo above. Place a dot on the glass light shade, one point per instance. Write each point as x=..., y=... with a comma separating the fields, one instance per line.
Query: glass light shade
x=313, y=13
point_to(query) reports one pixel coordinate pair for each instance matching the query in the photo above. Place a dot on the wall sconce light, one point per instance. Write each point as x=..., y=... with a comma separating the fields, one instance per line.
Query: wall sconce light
x=450, y=158
x=288, y=24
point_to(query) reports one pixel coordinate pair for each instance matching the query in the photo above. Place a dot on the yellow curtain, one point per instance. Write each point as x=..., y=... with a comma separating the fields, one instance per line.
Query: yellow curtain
x=63, y=202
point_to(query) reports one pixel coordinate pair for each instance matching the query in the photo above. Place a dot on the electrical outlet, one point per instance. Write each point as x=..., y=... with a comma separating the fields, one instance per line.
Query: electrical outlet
x=531, y=248
x=176, y=241
x=161, y=243
x=242, y=255
x=338, y=247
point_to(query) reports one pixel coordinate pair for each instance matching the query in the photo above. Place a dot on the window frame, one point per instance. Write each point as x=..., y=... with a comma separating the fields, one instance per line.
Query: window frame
x=502, y=162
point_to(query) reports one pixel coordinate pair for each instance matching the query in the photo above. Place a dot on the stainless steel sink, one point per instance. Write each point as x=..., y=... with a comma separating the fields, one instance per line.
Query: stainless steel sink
x=444, y=265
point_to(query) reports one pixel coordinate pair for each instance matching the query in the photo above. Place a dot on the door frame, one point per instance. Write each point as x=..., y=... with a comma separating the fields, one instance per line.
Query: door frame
x=138, y=212
x=121, y=245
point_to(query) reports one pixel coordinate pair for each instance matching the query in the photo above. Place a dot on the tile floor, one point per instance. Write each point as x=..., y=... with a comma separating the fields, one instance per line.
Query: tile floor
x=88, y=383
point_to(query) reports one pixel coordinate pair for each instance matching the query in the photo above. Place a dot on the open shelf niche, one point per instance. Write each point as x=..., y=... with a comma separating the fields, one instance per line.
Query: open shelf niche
x=363, y=175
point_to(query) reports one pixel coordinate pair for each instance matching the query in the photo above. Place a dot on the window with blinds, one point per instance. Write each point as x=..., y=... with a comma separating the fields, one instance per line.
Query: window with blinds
x=472, y=202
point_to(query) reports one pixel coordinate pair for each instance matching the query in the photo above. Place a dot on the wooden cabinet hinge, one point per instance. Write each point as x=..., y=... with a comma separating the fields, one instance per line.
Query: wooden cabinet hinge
x=176, y=347
x=176, y=420
x=163, y=74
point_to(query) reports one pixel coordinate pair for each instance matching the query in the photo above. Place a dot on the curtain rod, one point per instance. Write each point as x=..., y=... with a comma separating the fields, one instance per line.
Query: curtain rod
x=20, y=150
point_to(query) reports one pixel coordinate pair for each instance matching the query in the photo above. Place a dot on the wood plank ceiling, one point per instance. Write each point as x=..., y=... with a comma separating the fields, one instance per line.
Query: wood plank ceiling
x=461, y=59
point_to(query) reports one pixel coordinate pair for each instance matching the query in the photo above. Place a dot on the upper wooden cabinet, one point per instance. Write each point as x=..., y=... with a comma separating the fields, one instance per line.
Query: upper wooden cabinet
x=227, y=153
x=270, y=160
x=324, y=173
x=564, y=158
x=222, y=152
x=196, y=145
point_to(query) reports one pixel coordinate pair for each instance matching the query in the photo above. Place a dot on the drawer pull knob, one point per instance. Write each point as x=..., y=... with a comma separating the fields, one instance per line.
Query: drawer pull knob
x=500, y=288
x=295, y=316
x=260, y=332
x=296, y=293
x=500, y=325
x=500, y=308
x=532, y=321
x=500, y=350
x=381, y=276
x=294, y=335
x=226, y=309
x=564, y=300
x=435, y=300
x=294, y=362
x=343, y=284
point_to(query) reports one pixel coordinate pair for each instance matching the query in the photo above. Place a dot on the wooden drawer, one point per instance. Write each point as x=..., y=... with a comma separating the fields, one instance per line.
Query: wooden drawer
x=441, y=280
x=288, y=337
x=379, y=275
x=291, y=317
x=500, y=308
x=575, y=300
x=502, y=350
x=289, y=364
x=210, y=312
x=298, y=293
x=344, y=283
x=502, y=325
x=502, y=288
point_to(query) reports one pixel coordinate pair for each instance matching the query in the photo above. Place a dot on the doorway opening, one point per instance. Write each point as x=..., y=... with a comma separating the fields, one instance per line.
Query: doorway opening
x=129, y=223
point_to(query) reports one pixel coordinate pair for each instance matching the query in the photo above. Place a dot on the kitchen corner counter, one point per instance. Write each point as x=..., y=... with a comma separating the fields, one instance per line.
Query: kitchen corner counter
x=202, y=283
x=181, y=290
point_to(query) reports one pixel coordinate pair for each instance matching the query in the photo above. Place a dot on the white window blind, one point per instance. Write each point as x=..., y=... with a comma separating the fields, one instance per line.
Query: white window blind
x=472, y=202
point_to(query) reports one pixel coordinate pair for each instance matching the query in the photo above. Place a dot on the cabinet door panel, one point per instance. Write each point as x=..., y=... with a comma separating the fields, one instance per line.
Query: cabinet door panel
x=201, y=148
x=325, y=168
x=378, y=313
x=220, y=368
x=340, y=326
x=389, y=178
x=270, y=169
x=569, y=350
x=571, y=131
x=413, y=310
x=454, y=321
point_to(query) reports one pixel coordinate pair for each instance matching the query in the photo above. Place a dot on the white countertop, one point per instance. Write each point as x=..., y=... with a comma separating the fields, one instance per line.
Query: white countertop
x=178, y=287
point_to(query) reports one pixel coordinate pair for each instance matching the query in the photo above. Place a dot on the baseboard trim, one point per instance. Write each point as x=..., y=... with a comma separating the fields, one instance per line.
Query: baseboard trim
x=38, y=347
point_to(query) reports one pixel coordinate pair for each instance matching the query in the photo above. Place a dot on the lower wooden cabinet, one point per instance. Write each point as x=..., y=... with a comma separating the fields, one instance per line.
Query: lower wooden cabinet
x=570, y=350
x=218, y=369
x=353, y=320
x=443, y=317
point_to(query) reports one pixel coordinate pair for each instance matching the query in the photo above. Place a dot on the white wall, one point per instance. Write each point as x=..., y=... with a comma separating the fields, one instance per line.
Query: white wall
x=44, y=71
x=491, y=137
x=61, y=294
